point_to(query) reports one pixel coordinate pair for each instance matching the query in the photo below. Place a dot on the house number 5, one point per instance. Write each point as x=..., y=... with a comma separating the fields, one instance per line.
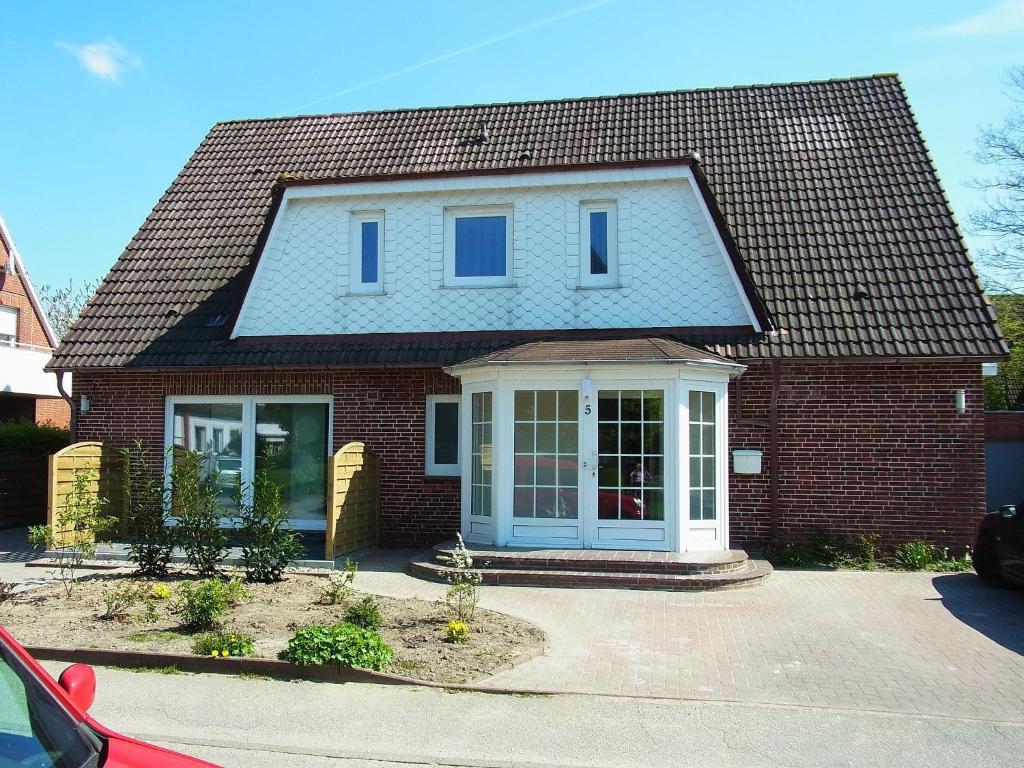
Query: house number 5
x=586, y=409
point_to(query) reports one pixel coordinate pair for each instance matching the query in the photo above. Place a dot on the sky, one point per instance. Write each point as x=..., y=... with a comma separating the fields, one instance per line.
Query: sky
x=103, y=102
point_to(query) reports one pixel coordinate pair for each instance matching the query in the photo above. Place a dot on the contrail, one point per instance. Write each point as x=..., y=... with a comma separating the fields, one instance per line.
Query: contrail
x=458, y=52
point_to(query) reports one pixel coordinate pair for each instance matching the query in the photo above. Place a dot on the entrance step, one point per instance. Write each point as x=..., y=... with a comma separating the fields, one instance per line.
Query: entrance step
x=601, y=568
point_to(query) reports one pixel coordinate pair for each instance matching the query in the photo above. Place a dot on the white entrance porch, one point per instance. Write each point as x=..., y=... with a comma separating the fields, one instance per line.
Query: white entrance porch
x=623, y=447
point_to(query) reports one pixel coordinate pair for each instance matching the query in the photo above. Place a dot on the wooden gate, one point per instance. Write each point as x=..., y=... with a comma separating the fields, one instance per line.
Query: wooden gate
x=103, y=467
x=353, y=500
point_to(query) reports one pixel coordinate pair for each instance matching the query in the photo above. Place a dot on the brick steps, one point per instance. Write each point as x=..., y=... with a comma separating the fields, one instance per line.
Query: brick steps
x=597, y=572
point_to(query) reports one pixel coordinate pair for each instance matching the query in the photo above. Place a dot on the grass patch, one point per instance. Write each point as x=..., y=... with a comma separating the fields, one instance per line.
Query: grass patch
x=253, y=676
x=171, y=670
x=153, y=635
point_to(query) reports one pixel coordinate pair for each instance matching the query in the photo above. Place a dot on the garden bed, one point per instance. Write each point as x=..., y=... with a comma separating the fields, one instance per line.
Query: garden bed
x=415, y=629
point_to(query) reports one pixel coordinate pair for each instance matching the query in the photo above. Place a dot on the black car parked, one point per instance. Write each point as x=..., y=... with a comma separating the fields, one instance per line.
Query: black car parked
x=999, y=551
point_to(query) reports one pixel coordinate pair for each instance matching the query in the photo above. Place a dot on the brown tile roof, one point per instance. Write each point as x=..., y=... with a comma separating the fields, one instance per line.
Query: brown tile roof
x=640, y=350
x=827, y=188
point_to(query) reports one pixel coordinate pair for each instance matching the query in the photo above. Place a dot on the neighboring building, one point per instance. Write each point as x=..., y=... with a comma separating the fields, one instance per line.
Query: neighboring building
x=673, y=321
x=27, y=391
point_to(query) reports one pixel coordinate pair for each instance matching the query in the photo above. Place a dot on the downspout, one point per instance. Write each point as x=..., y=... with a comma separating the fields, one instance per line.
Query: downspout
x=70, y=401
x=773, y=440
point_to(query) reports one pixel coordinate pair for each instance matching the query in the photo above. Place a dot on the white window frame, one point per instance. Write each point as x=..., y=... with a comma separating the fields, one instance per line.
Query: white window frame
x=356, y=284
x=9, y=339
x=248, y=403
x=587, y=278
x=451, y=215
x=432, y=468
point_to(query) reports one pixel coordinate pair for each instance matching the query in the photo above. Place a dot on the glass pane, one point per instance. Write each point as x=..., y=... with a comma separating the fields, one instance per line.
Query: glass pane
x=631, y=438
x=524, y=438
x=653, y=434
x=694, y=406
x=654, y=471
x=523, y=470
x=608, y=438
x=567, y=438
x=568, y=471
x=567, y=504
x=369, y=237
x=546, y=438
x=547, y=502
x=703, y=479
x=214, y=429
x=480, y=246
x=708, y=504
x=446, y=433
x=694, y=504
x=568, y=405
x=291, y=444
x=654, y=406
x=695, y=472
x=598, y=243
x=546, y=470
x=546, y=409
x=525, y=405
x=654, y=505
x=631, y=408
x=694, y=439
x=522, y=502
x=608, y=504
x=481, y=455
x=608, y=406
x=631, y=505
x=708, y=476
x=608, y=471
x=708, y=439
x=708, y=406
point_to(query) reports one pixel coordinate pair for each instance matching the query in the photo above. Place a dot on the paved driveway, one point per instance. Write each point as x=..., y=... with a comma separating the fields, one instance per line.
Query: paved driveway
x=893, y=642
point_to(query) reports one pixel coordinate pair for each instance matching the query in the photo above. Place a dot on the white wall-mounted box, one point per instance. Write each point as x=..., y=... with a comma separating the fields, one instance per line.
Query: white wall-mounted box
x=746, y=461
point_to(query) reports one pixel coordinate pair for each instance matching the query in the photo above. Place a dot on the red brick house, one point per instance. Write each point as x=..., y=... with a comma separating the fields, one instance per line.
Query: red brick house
x=27, y=391
x=672, y=321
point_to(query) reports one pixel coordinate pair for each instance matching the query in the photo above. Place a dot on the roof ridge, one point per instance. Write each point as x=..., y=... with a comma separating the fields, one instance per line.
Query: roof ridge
x=567, y=100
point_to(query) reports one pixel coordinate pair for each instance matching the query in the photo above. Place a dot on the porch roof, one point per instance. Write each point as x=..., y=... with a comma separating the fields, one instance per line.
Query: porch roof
x=640, y=350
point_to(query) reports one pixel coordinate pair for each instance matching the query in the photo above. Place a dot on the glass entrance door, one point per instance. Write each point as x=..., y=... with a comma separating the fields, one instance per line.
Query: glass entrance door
x=629, y=497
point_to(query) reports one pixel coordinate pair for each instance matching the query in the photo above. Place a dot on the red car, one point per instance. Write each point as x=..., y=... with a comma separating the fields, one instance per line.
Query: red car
x=43, y=722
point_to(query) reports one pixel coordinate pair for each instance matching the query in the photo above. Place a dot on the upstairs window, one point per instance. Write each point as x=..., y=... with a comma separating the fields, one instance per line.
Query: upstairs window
x=599, y=263
x=478, y=246
x=8, y=326
x=366, y=267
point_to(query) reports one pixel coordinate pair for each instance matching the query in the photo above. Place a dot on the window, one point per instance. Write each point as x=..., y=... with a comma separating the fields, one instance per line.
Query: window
x=631, y=454
x=366, y=267
x=8, y=326
x=481, y=454
x=442, y=435
x=546, y=443
x=478, y=246
x=288, y=437
x=598, y=245
x=703, y=485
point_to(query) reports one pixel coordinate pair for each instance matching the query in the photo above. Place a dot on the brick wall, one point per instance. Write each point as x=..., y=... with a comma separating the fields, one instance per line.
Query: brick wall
x=13, y=294
x=52, y=410
x=865, y=446
x=383, y=408
x=1004, y=425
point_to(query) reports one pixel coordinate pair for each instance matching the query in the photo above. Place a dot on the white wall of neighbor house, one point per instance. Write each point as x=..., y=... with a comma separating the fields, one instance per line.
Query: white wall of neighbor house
x=672, y=268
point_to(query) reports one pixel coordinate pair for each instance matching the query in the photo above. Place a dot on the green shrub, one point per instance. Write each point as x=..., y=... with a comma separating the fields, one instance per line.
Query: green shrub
x=949, y=564
x=201, y=604
x=145, y=525
x=223, y=644
x=120, y=599
x=30, y=437
x=456, y=631
x=365, y=614
x=344, y=644
x=462, y=595
x=915, y=555
x=194, y=500
x=269, y=544
x=866, y=553
x=820, y=551
x=339, y=584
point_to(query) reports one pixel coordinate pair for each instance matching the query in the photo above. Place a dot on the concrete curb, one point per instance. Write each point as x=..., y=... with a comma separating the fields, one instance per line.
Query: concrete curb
x=275, y=668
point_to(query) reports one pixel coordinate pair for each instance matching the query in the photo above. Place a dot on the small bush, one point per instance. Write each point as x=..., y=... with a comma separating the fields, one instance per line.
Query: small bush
x=223, y=644
x=120, y=599
x=201, y=605
x=456, y=631
x=365, y=614
x=915, y=555
x=339, y=584
x=195, y=501
x=32, y=438
x=160, y=592
x=462, y=595
x=821, y=551
x=269, y=543
x=145, y=525
x=866, y=553
x=344, y=644
x=949, y=564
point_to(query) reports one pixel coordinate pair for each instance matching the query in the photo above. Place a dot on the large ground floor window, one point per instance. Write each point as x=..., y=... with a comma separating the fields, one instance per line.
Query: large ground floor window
x=288, y=436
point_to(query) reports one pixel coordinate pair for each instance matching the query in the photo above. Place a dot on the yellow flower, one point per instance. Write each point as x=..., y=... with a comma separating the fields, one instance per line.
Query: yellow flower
x=213, y=653
x=161, y=591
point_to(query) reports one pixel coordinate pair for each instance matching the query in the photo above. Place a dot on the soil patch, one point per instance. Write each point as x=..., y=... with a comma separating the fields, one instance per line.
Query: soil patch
x=413, y=628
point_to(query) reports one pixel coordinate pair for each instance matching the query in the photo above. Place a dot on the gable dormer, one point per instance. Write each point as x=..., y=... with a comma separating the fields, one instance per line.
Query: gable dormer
x=605, y=247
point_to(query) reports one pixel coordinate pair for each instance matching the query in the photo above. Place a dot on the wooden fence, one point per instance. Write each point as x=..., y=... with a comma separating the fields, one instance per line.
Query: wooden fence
x=22, y=488
x=103, y=467
x=353, y=500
